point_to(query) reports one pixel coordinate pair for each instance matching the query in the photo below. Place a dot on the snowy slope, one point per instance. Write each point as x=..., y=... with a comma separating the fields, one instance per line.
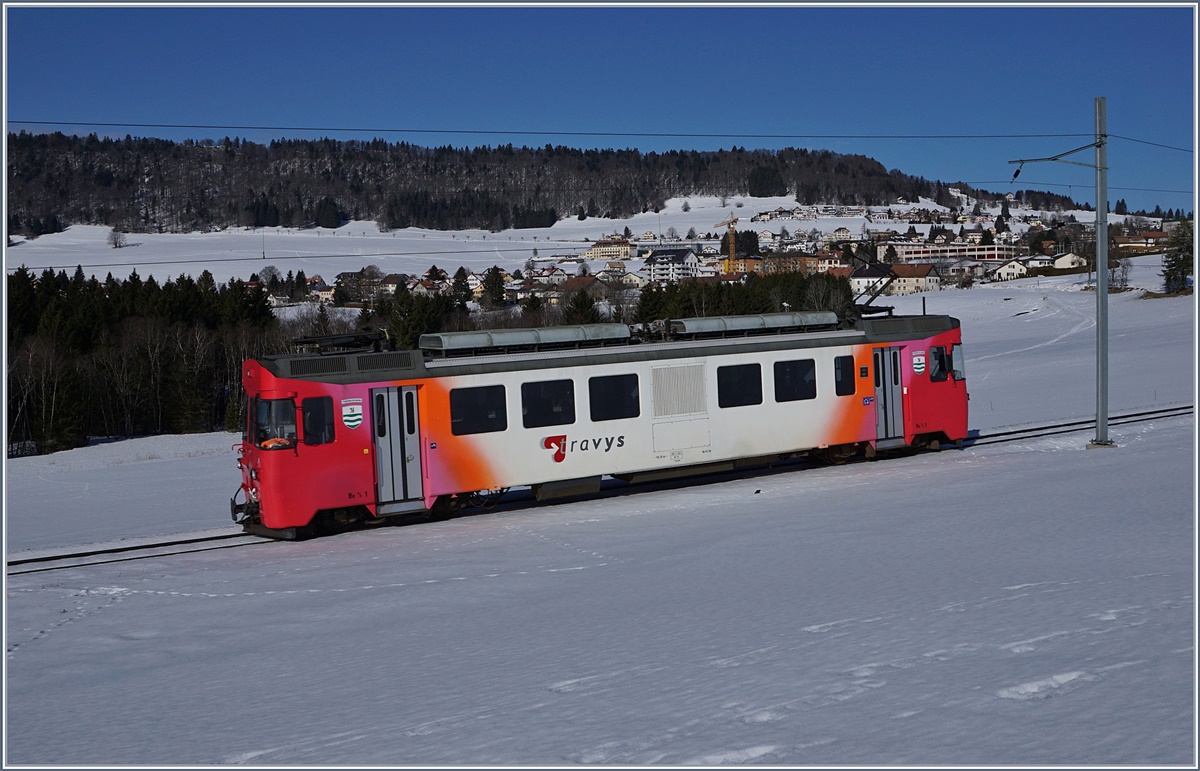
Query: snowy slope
x=239, y=252
x=1022, y=604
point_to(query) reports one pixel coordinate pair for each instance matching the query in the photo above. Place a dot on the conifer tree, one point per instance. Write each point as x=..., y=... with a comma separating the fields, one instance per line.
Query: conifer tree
x=493, y=285
x=460, y=290
x=1178, y=262
x=533, y=312
x=581, y=309
x=321, y=327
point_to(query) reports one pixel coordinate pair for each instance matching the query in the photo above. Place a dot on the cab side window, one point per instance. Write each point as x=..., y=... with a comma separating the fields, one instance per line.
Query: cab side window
x=317, y=415
x=939, y=363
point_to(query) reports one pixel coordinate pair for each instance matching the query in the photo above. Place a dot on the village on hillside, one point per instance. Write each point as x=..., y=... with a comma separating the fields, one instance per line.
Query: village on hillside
x=881, y=250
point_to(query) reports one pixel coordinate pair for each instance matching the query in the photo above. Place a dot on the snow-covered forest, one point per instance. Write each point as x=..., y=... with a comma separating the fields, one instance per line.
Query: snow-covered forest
x=145, y=185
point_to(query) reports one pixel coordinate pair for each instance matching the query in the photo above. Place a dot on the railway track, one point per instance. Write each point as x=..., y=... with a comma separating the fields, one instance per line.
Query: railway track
x=1051, y=429
x=79, y=559
x=154, y=550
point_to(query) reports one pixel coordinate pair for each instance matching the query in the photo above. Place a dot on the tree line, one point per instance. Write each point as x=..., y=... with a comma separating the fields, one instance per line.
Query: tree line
x=157, y=185
x=136, y=357
x=125, y=358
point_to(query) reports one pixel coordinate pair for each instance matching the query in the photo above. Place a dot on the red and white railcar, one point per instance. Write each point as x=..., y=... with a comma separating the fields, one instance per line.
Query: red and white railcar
x=367, y=434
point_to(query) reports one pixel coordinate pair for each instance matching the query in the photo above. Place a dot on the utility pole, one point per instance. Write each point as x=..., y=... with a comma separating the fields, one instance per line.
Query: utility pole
x=1101, y=167
x=1101, y=439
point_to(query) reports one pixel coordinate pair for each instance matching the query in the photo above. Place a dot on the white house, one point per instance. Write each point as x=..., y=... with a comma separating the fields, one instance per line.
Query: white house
x=1069, y=260
x=391, y=282
x=1010, y=270
x=552, y=276
x=670, y=265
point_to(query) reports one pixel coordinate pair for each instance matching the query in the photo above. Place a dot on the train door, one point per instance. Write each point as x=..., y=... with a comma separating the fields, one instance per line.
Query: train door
x=889, y=394
x=397, y=450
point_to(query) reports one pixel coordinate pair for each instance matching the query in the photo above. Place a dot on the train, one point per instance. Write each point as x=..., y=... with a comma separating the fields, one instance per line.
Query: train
x=352, y=432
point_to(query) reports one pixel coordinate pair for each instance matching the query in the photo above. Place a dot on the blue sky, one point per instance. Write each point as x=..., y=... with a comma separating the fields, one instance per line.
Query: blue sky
x=770, y=77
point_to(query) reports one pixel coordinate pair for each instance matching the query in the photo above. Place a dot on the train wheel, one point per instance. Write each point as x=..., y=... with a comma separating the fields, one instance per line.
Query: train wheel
x=445, y=507
x=837, y=454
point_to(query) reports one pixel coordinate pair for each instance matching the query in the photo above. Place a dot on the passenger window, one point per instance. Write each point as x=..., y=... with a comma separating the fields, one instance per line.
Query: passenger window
x=318, y=420
x=795, y=380
x=939, y=367
x=739, y=385
x=614, y=397
x=547, y=403
x=843, y=375
x=957, y=362
x=478, y=410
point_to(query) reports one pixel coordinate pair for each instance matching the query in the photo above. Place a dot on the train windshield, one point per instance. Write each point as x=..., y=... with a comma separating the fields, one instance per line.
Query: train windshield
x=957, y=362
x=275, y=424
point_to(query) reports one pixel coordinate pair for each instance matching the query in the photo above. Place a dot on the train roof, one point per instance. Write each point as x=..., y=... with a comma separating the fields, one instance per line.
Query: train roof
x=475, y=352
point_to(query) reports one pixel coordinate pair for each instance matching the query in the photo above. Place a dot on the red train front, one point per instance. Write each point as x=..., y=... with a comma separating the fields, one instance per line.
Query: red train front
x=306, y=448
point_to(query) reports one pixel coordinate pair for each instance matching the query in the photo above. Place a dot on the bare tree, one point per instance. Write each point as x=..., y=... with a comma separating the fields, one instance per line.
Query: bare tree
x=116, y=239
x=269, y=274
x=1118, y=274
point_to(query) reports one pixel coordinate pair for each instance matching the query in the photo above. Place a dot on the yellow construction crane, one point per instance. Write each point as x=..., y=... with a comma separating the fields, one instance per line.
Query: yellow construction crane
x=729, y=258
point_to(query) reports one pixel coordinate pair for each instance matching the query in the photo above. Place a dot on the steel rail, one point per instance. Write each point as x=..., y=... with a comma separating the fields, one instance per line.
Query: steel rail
x=244, y=539
x=247, y=539
x=1052, y=429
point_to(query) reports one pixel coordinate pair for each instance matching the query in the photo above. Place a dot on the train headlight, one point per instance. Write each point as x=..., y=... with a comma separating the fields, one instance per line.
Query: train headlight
x=254, y=474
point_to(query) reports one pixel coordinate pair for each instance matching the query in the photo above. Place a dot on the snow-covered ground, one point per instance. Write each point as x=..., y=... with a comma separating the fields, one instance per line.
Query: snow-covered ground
x=1014, y=604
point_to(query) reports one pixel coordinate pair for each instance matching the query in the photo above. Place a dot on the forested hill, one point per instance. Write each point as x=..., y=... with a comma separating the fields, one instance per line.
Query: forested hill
x=156, y=185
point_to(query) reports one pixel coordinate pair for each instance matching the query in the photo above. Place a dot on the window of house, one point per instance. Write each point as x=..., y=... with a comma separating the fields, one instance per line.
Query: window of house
x=795, y=380
x=614, y=397
x=477, y=410
x=843, y=375
x=739, y=385
x=547, y=403
x=317, y=416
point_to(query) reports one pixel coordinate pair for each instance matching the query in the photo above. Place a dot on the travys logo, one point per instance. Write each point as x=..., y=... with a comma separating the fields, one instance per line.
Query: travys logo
x=561, y=445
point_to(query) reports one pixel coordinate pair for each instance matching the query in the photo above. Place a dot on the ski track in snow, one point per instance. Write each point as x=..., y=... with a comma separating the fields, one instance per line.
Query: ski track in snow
x=821, y=691
x=1084, y=323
